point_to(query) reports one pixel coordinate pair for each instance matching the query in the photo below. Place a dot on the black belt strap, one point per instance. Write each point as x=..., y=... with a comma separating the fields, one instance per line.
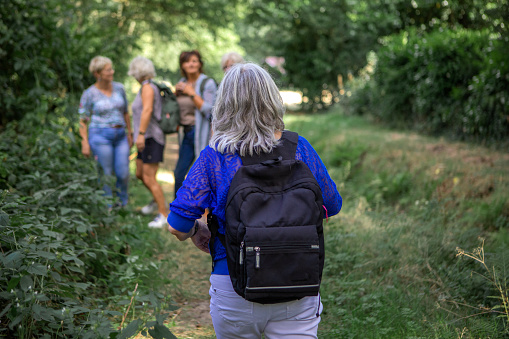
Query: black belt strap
x=213, y=225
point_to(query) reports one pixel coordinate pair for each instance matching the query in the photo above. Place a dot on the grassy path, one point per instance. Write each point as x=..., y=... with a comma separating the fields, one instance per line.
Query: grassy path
x=391, y=266
x=187, y=268
x=192, y=320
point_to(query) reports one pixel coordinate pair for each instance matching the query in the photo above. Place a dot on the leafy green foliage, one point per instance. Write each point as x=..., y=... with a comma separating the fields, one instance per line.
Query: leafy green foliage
x=64, y=266
x=317, y=40
x=422, y=79
x=46, y=45
x=441, y=82
x=324, y=42
x=34, y=67
x=430, y=14
x=446, y=75
x=486, y=112
x=46, y=48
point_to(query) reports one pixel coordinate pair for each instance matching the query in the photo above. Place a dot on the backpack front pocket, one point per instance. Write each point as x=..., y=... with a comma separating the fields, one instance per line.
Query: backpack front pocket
x=281, y=262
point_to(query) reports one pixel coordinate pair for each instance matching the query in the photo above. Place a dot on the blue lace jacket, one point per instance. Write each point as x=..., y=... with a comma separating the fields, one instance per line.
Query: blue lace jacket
x=208, y=182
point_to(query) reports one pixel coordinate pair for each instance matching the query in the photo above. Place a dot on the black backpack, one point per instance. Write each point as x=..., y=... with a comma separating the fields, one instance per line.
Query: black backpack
x=170, y=115
x=274, y=227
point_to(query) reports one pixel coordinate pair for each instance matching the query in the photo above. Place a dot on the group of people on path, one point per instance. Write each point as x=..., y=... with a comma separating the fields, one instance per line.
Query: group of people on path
x=106, y=130
x=221, y=126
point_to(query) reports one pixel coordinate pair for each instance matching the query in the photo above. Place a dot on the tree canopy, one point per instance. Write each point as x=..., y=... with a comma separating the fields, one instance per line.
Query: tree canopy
x=46, y=44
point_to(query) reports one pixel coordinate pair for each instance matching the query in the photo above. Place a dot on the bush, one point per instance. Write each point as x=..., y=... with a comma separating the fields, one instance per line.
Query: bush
x=445, y=82
x=422, y=79
x=486, y=112
x=62, y=261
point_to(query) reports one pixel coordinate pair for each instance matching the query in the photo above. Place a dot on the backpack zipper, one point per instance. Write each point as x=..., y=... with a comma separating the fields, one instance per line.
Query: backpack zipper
x=281, y=287
x=281, y=248
x=257, y=250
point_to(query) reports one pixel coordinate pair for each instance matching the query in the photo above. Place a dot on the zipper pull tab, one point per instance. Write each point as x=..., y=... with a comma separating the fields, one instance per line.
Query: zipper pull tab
x=257, y=250
x=241, y=257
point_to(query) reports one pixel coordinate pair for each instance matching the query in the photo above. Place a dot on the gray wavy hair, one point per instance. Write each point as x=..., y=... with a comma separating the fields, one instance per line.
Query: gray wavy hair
x=247, y=112
x=141, y=68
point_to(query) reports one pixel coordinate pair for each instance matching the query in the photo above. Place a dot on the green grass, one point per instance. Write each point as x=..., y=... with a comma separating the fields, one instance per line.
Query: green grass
x=409, y=202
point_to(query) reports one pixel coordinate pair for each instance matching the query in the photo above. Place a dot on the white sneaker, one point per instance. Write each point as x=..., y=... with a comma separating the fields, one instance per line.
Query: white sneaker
x=158, y=222
x=151, y=208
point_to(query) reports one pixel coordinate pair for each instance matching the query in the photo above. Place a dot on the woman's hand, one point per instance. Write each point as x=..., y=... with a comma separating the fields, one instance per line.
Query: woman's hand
x=185, y=88
x=85, y=149
x=180, y=235
x=130, y=140
x=85, y=146
x=140, y=142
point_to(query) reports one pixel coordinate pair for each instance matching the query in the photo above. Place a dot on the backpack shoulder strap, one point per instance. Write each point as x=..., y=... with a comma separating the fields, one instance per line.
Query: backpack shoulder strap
x=202, y=85
x=286, y=150
x=153, y=82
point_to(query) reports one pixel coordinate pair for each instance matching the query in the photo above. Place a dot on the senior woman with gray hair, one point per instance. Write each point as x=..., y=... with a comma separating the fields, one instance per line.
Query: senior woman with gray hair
x=103, y=107
x=150, y=139
x=229, y=59
x=247, y=120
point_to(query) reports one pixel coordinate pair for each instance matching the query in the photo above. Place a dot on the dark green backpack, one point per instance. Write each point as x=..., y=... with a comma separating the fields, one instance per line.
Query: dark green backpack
x=170, y=115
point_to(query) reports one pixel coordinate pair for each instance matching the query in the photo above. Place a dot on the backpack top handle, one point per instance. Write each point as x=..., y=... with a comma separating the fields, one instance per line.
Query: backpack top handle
x=286, y=150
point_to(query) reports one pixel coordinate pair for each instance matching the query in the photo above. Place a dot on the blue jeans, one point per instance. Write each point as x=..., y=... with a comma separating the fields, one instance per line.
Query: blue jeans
x=111, y=150
x=185, y=160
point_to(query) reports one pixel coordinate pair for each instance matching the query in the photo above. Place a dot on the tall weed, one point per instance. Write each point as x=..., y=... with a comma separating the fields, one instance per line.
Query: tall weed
x=497, y=276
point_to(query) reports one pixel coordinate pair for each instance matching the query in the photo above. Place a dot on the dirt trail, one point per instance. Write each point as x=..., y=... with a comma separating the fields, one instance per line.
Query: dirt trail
x=192, y=319
x=170, y=153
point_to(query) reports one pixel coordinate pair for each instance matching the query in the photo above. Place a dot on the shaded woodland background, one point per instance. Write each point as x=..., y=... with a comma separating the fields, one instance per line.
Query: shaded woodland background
x=437, y=66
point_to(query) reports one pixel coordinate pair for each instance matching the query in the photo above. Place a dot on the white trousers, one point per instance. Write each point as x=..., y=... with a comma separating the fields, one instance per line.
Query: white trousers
x=234, y=317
